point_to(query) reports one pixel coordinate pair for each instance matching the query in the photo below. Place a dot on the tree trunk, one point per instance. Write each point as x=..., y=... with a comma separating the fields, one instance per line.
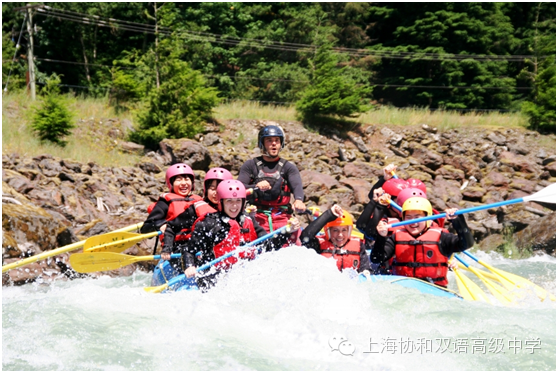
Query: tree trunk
x=87, y=73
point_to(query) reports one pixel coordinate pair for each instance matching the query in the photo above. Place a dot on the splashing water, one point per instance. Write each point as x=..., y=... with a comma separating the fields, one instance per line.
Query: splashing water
x=286, y=310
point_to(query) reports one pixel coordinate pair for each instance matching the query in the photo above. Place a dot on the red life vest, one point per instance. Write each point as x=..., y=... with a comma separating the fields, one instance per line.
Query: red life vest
x=438, y=222
x=178, y=204
x=284, y=198
x=420, y=257
x=235, y=238
x=347, y=256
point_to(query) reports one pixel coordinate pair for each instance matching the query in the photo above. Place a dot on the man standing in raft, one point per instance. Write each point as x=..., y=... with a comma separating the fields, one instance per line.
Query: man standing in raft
x=420, y=250
x=274, y=179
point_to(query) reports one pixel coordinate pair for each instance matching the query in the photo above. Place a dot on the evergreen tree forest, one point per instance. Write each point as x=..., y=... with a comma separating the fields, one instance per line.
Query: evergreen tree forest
x=455, y=56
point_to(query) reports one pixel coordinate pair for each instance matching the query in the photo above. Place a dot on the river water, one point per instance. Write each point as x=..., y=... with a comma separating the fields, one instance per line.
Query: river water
x=288, y=310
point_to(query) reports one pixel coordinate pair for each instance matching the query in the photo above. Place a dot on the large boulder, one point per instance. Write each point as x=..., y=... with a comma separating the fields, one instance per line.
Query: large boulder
x=360, y=187
x=540, y=235
x=518, y=162
x=186, y=151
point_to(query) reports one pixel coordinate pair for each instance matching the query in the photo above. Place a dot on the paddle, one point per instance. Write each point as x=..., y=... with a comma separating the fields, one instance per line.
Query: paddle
x=495, y=289
x=469, y=290
x=515, y=280
x=116, y=242
x=465, y=293
x=547, y=195
x=107, y=261
x=158, y=289
x=61, y=250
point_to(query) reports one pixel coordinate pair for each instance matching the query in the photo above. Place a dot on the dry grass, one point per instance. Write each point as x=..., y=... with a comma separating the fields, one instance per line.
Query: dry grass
x=254, y=110
x=442, y=120
x=89, y=140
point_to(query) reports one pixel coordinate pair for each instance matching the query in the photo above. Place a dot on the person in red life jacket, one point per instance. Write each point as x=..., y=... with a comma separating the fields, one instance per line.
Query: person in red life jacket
x=417, y=190
x=178, y=230
x=349, y=252
x=421, y=250
x=178, y=202
x=273, y=179
x=224, y=231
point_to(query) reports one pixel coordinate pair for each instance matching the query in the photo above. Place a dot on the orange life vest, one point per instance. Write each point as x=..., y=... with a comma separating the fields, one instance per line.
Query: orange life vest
x=347, y=256
x=235, y=238
x=420, y=257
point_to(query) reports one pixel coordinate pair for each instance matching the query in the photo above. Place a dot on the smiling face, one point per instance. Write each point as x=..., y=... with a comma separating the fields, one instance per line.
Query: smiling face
x=212, y=192
x=182, y=185
x=339, y=235
x=272, y=146
x=232, y=207
x=416, y=228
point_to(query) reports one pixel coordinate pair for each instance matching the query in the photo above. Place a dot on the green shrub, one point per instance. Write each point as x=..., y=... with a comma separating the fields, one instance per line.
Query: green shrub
x=333, y=90
x=52, y=120
x=179, y=108
x=542, y=110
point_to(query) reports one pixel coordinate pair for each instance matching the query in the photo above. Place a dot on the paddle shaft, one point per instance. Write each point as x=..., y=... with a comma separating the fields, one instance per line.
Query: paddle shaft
x=61, y=250
x=128, y=242
x=458, y=212
x=215, y=261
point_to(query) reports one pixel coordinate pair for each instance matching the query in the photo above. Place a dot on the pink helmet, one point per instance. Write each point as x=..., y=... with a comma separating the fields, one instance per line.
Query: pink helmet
x=178, y=169
x=216, y=173
x=230, y=189
x=394, y=186
x=416, y=183
x=408, y=193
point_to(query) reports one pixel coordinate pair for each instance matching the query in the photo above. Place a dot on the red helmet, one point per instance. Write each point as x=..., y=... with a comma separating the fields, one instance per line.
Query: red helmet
x=394, y=186
x=230, y=189
x=216, y=173
x=178, y=169
x=416, y=183
x=408, y=193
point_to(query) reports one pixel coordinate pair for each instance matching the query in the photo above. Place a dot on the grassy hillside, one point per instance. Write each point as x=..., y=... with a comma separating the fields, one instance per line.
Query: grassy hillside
x=91, y=139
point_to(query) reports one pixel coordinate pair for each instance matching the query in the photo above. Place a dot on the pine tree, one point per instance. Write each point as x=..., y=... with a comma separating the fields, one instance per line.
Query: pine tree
x=52, y=120
x=332, y=90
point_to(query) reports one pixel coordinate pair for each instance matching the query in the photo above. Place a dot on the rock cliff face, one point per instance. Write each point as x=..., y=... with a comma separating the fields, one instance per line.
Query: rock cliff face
x=50, y=202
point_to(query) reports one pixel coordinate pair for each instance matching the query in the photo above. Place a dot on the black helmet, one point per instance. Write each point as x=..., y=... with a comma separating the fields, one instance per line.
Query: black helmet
x=270, y=131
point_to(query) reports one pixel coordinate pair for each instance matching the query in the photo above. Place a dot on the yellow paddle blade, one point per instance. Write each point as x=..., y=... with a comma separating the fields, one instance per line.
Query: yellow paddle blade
x=475, y=291
x=492, y=287
x=507, y=288
x=156, y=289
x=461, y=286
x=356, y=233
x=60, y=250
x=115, y=242
x=103, y=261
x=519, y=281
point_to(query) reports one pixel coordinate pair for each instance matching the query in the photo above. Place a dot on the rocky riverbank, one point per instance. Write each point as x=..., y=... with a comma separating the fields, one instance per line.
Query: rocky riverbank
x=49, y=202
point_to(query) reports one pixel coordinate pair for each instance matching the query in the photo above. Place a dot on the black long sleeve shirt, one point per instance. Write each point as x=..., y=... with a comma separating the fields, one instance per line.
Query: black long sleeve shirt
x=369, y=212
x=249, y=171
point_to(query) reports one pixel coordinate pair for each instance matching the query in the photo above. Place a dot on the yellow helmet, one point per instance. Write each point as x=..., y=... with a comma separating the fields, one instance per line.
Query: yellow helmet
x=419, y=204
x=343, y=220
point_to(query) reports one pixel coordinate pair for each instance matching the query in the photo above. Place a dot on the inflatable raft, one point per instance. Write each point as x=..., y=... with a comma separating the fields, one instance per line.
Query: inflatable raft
x=412, y=283
x=164, y=273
